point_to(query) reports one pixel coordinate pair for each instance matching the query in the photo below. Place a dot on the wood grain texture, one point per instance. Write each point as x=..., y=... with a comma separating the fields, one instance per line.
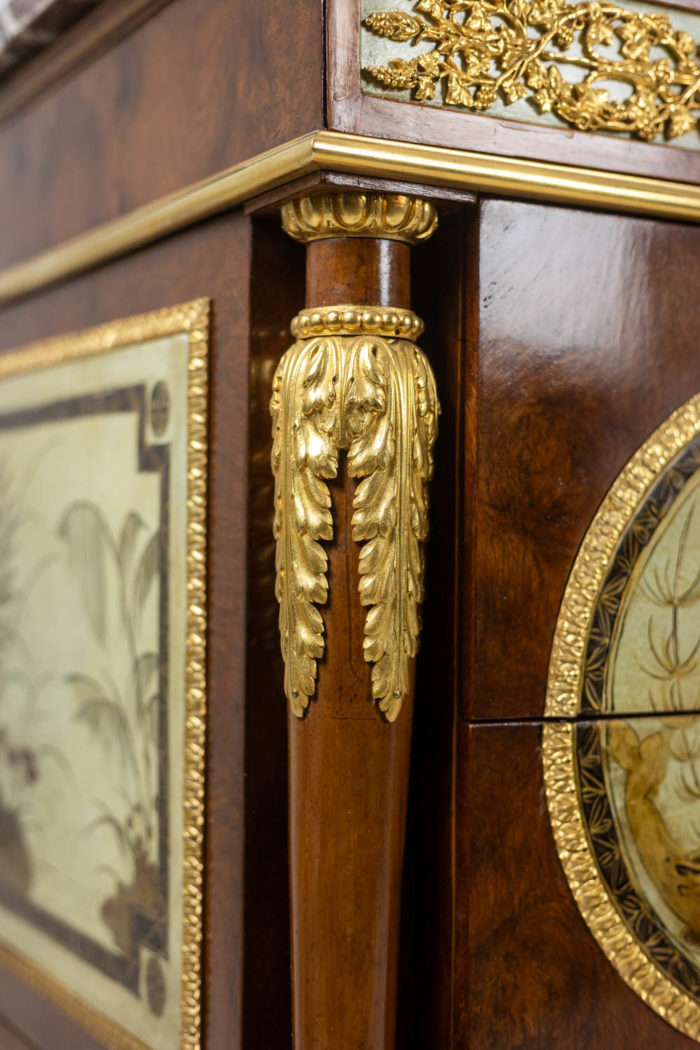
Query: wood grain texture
x=349, y=110
x=11, y=1040
x=358, y=271
x=529, y=974
x=100, y=29
x=585, y=341
x=348, y=767
x=427, y=945
x=348, y=782
x=277, y=293
x=197, y=88
x=211, y=260
x=339, y=182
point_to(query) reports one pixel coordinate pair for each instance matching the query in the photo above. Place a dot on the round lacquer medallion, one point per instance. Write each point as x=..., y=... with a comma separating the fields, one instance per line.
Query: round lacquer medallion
x=622, y=763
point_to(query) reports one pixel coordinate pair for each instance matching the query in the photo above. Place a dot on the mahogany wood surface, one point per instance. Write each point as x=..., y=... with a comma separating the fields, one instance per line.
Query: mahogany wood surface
x=99, y=30
x=338, y=182
x=277, y=293
x=350, y=110
x=348, y=767
x=529, y=975
x=10, y=1039
x=425, y=1001
x=358, y=271
x=199, y=87
x=584, y=341
x=245, y=763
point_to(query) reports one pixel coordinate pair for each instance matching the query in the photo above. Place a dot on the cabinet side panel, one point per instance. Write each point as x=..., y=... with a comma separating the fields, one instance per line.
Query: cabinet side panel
x=212, y=260
x=197, y=88
x=529, y=973
x=587, y=341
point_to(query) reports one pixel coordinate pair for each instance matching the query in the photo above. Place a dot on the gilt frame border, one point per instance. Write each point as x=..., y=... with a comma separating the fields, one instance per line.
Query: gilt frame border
x=563, y=717
x=592, y=898
x=565, y=675
x=193, y=319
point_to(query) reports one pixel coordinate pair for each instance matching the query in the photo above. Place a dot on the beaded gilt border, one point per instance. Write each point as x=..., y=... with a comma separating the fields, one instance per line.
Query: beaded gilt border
x=573, y=630
x=621, y=921
x=193, y=319
x=594, y=900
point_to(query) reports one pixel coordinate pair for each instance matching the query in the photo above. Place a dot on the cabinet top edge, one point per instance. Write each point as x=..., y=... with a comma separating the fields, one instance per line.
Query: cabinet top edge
x=352, y=155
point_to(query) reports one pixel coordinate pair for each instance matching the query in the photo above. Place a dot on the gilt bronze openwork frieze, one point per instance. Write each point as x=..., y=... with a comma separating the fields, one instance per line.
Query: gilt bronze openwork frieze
x=593, y=66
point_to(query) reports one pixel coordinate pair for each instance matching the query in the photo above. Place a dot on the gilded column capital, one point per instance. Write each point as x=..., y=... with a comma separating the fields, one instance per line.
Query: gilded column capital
x=385, y=216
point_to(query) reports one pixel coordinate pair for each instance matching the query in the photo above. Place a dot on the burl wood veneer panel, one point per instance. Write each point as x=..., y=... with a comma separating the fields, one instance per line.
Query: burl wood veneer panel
x=253, y=284
x=584, y=340
x=199, y=87
x=528, y=972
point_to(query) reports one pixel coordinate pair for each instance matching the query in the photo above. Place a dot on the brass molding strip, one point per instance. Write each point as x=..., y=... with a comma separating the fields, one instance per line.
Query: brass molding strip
x=485, y=173
x=160, y=219
x=356, y=155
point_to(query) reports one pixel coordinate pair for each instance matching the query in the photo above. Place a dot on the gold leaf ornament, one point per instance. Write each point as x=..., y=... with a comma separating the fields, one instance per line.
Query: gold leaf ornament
x=376, y=398
x=304, y=453
x=513, y=49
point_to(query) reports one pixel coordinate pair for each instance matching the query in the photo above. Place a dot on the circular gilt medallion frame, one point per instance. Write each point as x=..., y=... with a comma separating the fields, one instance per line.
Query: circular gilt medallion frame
x=610, y=826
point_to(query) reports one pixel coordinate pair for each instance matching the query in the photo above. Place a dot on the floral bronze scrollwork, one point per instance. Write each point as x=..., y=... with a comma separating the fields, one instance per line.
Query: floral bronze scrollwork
x=515, y=49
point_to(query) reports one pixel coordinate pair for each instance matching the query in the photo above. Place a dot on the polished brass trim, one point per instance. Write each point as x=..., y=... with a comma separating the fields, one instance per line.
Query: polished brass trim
x=566, y=664
x=529, y=179
x=592, y=898
x=356, y=155
x=160, y=219
x=390, y=216
x=192, y=318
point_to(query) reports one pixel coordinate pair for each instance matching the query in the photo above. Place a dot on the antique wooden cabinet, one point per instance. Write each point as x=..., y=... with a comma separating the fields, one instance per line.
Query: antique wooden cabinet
x=480, y=444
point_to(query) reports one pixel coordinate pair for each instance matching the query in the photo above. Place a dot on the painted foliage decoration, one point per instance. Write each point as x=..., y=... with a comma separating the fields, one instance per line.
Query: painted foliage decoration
x=101, y=700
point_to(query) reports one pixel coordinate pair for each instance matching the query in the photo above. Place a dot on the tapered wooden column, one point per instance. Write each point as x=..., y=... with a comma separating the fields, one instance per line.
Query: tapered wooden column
x=355, y=415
